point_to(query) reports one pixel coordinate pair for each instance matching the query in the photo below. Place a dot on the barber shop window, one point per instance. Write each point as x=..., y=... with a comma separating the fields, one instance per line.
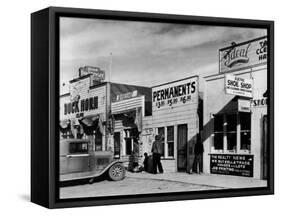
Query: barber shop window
x=170, y=141
x=218, y=132
x=245, y=131
x=231, y=132
x=161, y=131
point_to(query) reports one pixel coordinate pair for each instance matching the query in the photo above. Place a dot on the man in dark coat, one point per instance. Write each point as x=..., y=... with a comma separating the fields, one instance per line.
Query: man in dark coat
x=157, y=151
x=198, y=160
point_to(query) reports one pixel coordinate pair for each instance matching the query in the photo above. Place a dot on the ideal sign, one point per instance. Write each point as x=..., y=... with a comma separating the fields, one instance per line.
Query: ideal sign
x=175, y=94
x=238, y=86
x=243, y=55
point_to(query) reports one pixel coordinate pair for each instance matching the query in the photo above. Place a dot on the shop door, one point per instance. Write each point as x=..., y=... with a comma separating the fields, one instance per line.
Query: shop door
x=182, y=148
x=117, y=145
x=265, y=146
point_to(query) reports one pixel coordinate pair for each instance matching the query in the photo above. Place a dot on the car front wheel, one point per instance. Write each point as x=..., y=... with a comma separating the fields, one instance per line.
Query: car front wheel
x=116, y=172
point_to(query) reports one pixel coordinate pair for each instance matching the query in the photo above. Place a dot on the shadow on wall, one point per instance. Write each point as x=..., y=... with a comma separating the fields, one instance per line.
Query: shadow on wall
x=207, y=129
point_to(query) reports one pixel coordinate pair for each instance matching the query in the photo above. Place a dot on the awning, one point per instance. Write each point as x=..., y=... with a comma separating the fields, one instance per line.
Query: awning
x=127, y=118
x=91, y=124
x=131, y=118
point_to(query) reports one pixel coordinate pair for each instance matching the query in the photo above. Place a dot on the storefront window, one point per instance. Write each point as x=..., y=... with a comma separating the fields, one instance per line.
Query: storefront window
x=218, y=132
x=245, y=122
x=231, y=132
x=170, y=141
x=232, y=127
x=161, y=131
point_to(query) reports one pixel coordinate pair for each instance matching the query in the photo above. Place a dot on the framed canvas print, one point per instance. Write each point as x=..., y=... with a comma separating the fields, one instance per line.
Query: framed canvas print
x=139, y=107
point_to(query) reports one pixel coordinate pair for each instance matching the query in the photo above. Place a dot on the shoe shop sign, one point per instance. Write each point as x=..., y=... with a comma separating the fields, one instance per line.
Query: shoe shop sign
x=227, y=164
x=238, y=86
x=244, y=55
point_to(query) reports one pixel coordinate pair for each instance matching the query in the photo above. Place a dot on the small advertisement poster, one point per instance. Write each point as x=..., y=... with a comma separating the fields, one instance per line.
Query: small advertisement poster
x=227, y=164
x=238, y=86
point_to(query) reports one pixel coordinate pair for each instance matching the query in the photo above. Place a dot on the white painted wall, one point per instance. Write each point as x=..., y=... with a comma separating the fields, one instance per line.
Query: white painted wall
x=215, y=99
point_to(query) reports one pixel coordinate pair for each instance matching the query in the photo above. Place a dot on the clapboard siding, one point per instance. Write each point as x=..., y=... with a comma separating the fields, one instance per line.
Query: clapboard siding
x=179, y=113
x=132, y=103
x=100, y=92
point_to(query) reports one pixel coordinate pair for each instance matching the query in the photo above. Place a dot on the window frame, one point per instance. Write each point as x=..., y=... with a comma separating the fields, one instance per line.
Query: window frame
x=166, y=142
x=238, y=131
x=170, y=141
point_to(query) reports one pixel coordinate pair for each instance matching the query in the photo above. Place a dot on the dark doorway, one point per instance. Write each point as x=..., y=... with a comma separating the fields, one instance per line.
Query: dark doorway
x=117, y=145
x=264, y=147
x=182, y=148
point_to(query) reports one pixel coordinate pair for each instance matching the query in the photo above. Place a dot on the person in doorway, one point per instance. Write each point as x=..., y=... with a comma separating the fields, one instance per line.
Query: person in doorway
x=145, y=162
x=157, y=151
x=198, y=160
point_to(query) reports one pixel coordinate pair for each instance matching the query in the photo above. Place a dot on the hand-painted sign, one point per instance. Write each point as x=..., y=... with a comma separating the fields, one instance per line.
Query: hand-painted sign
x=81, y=105
x=127, y=95
x=243, y=55
x=227, y=164
x=175, y=94
x=244, y=105
x=96, y=72
x=238, y=86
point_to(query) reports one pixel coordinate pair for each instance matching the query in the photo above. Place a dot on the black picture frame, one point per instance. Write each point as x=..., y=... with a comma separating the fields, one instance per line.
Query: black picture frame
x=45, y=103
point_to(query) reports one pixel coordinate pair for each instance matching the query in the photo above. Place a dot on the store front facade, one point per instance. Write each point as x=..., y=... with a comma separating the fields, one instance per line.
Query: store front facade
x=175, y=118
x=83, y=113
x=235, y=112
x=128, y=115
x=108, y=115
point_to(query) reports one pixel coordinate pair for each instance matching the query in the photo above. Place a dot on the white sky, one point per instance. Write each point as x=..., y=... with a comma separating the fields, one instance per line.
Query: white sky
x=144, y=53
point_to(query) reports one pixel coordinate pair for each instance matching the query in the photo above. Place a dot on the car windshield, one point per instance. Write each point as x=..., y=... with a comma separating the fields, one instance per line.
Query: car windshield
x=78, y=148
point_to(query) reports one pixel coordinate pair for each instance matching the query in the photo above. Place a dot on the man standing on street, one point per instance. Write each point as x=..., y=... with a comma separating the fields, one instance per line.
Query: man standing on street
x=157, y=151
x=198, y=160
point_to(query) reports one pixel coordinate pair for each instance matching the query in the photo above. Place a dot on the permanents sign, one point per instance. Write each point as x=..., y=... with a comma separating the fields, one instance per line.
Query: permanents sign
x=227, y=164
x=238, y=86
x=175, y=94
x=243, y=55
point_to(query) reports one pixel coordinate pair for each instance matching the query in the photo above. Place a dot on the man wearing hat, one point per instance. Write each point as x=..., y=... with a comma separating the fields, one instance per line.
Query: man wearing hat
x=157, y=151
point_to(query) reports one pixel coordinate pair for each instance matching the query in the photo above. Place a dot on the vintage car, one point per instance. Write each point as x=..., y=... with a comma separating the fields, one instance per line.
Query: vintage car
x=78, y=162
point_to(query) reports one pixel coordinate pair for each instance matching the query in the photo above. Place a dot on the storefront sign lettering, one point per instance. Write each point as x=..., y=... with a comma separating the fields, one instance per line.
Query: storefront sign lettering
x=238, y=86
x=238, y=165
x=173, y=95
x=262, y=50
x=81, y=105
x=259, y=102
x=243, y=55
x=236, y=55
